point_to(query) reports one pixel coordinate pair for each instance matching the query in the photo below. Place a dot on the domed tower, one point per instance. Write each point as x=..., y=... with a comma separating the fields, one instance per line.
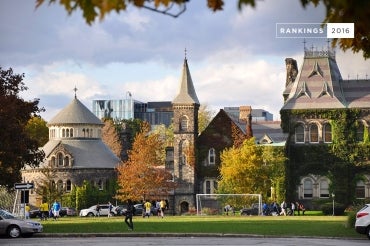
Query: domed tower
x=75, y=152
x=185, y=121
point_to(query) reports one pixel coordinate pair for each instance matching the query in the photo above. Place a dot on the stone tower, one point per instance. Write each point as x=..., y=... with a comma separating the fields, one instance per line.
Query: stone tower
x=185, y=121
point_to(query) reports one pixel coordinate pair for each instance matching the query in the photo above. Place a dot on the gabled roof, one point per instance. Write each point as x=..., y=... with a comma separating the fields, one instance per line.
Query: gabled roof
x=187, y=93
x=318, y=84
x=75, y=113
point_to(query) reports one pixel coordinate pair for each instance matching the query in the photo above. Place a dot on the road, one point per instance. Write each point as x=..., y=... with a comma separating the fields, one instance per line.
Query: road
x=180, y=241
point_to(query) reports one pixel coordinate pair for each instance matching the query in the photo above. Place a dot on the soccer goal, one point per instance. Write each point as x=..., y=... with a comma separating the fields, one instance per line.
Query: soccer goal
x=214, y=204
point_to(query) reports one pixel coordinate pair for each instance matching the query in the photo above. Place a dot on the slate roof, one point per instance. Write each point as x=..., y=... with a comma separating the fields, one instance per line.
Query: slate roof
x=87, y=153
x=319, y=85
x=75, y=113
x=187, y=93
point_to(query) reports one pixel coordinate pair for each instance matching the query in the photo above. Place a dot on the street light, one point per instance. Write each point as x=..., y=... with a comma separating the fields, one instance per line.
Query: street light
x=333, y=196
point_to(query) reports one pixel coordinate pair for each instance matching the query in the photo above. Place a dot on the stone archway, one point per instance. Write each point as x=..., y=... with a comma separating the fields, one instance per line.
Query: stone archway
x=184, y=207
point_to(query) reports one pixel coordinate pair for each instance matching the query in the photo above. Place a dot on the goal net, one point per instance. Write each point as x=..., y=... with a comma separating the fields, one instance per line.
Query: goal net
x=214, y=204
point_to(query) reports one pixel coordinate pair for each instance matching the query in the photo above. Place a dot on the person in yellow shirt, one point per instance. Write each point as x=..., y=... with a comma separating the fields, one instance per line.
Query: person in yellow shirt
x=147, y=207
x=27, y=212
x=44, y=211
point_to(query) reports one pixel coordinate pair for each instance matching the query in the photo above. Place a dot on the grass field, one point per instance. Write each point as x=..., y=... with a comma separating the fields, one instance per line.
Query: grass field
x=310, y=226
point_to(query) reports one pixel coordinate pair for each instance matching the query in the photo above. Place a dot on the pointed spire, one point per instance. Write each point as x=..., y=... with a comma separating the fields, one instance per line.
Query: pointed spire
x=187, y=93
x=75, y=89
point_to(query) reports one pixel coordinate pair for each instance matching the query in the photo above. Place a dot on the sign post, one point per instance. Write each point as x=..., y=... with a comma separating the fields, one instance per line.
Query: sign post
x=23, y=186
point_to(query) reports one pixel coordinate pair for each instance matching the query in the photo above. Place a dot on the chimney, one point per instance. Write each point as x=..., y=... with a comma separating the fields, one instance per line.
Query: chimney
x=246, y=115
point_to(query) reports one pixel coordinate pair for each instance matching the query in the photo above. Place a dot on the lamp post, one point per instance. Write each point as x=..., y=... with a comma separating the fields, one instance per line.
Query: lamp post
x=333, y=196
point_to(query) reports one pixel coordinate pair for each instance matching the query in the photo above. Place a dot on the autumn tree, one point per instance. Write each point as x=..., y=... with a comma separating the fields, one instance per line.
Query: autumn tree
x=251, y=169
x=143, y=175
x=17, y=147
x=37, y=130
x=111, y=137
x=337, y=11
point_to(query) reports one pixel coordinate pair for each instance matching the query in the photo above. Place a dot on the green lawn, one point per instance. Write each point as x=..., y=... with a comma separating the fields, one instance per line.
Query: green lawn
x=319, y=226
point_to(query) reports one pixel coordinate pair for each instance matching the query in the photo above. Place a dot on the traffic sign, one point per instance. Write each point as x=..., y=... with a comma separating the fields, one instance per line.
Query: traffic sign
x=19, y=186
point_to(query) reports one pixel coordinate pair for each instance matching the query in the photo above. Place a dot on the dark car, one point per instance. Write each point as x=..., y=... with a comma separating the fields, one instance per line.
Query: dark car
x=139, y=208
x=35, y=213
x=67, y=211
x=253, y=210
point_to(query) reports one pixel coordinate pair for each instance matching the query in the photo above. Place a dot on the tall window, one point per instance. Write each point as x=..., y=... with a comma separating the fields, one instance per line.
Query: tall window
x=63, y=133
x=208, y=187
x=324, y=188
x=314, y=133
x=53, y=162
x=60, y=159
x=100, y=184
x=68, y=186
x=307, y=188
x=360, y=189
x=60, y=185
x=211, y=156
x=66, y=161
x=299, y=134
x=327, y=133
x=183, y=124
x=360, y=132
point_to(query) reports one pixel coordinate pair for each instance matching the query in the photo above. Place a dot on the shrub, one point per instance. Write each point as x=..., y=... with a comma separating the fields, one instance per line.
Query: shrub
x=327, y=208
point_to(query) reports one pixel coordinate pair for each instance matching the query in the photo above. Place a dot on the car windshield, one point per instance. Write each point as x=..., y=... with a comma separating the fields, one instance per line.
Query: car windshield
x=6, y=214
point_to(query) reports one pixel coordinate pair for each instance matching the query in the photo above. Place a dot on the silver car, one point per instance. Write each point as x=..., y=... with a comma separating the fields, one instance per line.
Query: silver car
x=12, y=226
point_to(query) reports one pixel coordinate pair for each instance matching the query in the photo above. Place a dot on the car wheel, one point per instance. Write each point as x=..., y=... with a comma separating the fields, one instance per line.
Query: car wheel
x=14, y=231
x=90, y=214
x=368, y=232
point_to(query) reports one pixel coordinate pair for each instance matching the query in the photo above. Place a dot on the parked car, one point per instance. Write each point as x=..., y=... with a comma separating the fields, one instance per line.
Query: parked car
x=12, y=226
x=253, y=210
x=67, y=211
x=104, y=210
x=362, y=224
x=121, y=209
x=35, y=213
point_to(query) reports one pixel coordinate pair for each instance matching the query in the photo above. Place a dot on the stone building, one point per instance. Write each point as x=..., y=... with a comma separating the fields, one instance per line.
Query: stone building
x=315, y=99
x=75, y=151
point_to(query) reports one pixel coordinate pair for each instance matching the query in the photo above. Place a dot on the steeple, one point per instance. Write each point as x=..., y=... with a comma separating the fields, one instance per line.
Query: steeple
x=187, y=93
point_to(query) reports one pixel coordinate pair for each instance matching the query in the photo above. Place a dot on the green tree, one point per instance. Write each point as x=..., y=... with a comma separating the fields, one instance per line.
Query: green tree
x=37, y=130
x=337, y=11
x=252, y=169
x=143, y=175
x=46, y=187
x=17, y=147
x=204, y=117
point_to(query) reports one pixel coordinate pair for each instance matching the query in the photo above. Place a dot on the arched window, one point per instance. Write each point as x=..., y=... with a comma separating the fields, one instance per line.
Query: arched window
x=68, y=186
x=60, y=159
x=360, y=132
x=307, y=188
x=67, y=133
x=91, y=133
x=60, y=186
x=327, y=133
x=63, y=133
x=314, y=133
x=299, y=134
x=360, y=189
x=211, y=156
x=52, y=162
x=71, y=132
x=208, y=187
x=100, y=184
x=66, y=161
x=183, y=124
x=324, y=188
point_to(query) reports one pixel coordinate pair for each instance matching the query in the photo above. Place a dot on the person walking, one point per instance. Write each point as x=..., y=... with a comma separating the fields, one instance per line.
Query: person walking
x=147, y=207
x=27, y=211
x=110, y=209
x=56, y=209
x=98, y=210
x=129, y=213
x=163, y=207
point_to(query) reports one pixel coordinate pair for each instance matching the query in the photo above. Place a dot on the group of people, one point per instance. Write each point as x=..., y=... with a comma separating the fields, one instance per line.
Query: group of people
x=159, y=205
x=53, y=212
x=284, y=208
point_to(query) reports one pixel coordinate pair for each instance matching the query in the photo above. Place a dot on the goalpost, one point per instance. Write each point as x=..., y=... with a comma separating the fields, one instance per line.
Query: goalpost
x=212, y=204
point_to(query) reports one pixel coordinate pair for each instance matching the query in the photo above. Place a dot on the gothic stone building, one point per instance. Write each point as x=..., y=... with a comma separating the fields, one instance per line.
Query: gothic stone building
x=327, y=119
x=75, y=151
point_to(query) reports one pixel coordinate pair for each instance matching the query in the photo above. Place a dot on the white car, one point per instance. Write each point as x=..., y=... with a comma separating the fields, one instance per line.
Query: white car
x=91, y=211
x=362, y=224
x=14, y=227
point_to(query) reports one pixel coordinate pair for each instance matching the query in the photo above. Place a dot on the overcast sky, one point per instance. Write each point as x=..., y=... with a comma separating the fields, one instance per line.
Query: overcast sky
x=234, y=57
